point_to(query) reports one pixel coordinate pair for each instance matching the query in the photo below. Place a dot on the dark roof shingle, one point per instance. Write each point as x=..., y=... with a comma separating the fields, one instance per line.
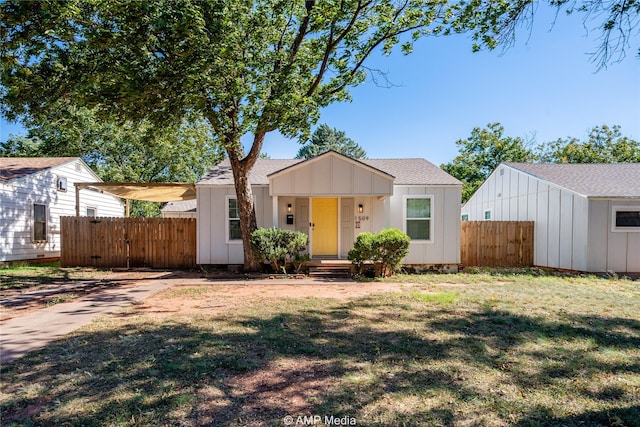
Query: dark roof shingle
x=590, y=180
x=405, y=171
x=17, y=167
x=181, y=206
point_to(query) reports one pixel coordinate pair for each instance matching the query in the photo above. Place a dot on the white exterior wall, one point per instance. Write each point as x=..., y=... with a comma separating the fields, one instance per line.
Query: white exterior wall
x=213, y=247
x=378, y=213
x=444, y=247
x=560, y=216
x=332, y=176
x=16, y=209
x=611, y=250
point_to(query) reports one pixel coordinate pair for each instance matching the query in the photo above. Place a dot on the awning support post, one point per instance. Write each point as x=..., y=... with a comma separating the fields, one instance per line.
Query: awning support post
x=77, y=187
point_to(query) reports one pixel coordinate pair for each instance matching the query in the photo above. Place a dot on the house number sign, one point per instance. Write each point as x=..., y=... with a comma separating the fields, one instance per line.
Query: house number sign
x=359, y=218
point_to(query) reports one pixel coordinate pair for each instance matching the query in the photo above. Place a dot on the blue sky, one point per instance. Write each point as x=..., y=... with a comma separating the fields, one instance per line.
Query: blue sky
x=544, y=86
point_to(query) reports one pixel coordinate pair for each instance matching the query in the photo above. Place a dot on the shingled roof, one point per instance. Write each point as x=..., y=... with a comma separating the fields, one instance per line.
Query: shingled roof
x=405, y=171
x=17, y=167
x=181, y=206
x=589, y=180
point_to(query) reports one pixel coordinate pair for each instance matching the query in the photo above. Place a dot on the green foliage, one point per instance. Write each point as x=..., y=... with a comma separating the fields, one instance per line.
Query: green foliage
x=277, y=246
x=482, y=152
x=325, y=138
x=604, y=145
x=248, y=68
x=122, y=152
x=387, y=249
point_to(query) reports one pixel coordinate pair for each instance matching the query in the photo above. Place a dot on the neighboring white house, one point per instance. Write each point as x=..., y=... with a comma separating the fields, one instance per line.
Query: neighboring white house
x=332, y=198
x=180, y=209
x=587, y=216
x=34, y=193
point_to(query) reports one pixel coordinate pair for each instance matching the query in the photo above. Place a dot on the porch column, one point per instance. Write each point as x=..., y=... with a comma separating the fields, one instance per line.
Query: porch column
x=274, y=210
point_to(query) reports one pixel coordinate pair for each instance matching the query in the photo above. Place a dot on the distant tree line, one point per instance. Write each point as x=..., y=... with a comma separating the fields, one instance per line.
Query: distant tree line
x=486, y=148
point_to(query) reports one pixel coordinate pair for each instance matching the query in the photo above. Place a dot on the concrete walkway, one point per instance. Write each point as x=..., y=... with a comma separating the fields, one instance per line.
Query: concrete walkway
x=38, y=328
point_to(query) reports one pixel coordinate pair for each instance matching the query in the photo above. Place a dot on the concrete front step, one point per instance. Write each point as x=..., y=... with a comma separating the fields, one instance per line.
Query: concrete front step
x=330, y=270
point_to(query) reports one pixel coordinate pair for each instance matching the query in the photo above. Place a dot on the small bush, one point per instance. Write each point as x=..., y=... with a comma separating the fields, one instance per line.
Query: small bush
x=385, y=250
x=278, y=246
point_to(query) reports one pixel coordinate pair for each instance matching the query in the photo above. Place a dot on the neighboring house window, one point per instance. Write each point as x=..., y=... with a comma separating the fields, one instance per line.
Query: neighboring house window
x=487, y=214
x=465, y=217
x=626, y=218
x=418, y=217
x=62, y=183
x=39, y=222
x=78, y=167
x=233, y=219
x=93, y=212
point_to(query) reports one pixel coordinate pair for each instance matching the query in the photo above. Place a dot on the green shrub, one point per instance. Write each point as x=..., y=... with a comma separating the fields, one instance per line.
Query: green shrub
x=278, y=246
x=385, y=250
x=362, y=251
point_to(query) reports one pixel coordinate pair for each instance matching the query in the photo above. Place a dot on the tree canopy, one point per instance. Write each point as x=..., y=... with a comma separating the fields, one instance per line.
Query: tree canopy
x=325, y=138
x=247, y=67
x=486, y=148
x=122, y=152
x=482, y=152
x=603, y=145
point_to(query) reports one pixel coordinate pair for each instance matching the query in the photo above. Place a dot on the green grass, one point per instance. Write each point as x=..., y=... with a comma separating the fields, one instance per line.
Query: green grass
x=25, y=275
x=496, y=349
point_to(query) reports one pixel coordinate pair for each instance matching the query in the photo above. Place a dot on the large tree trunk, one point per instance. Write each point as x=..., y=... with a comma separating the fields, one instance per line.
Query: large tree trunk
x=247, y=212
x=244, y=194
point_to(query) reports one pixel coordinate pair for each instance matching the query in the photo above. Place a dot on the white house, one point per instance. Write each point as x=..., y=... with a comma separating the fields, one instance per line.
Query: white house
x=587, y=216
x=180, y=209
x=34, y=193
x=332, y=198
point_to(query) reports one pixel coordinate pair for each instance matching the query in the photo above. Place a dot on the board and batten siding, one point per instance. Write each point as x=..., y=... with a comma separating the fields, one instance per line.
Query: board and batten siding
x=560, y=216
x=331, y=176
x=18, y=196
x=213, y=247
x=611, y=250
x=380, y=213
x=571, y=231
x=444, y=247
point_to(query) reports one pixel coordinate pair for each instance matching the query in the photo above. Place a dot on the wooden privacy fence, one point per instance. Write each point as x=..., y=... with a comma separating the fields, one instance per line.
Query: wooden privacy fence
x=128, y=242
x=496, y=243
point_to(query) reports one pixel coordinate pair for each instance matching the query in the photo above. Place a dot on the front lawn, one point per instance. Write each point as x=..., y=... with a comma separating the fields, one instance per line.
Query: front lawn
x=464, y=350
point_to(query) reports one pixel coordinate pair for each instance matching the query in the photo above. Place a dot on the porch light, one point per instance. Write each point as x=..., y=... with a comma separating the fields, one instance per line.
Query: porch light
x=360, y=208
x=289, y=208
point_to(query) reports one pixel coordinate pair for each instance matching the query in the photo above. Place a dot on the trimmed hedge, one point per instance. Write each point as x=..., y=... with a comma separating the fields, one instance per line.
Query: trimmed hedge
x=386, y=250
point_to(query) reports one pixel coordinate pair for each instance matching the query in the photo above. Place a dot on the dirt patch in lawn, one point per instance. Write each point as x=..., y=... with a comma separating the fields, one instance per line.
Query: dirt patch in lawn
x=219, y=291
x=189, y=299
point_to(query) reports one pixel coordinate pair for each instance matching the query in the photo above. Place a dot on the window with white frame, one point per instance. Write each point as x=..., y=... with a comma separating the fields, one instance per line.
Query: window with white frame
x=39, y=222
x=465, y=217
x=233, y=220
x=91, y=211
x=62, y=183
x=626, y=218
x=418, y=217
x=487, y=215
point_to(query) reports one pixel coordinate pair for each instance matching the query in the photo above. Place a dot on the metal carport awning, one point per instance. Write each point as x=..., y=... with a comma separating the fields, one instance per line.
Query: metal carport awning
x=150, y=192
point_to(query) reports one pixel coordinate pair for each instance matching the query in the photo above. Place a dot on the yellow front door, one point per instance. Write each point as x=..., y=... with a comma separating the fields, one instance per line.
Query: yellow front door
x=324, y=219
